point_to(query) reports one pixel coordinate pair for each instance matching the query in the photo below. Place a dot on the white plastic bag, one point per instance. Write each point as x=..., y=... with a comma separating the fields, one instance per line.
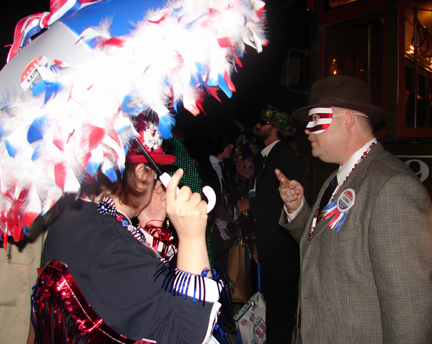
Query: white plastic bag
x=250, y=320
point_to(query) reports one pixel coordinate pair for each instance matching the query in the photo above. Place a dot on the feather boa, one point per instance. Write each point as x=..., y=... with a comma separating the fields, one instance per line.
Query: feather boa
x=80, y=116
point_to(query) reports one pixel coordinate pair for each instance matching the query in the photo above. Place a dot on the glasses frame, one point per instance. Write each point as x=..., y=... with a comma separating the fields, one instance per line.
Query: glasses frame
x=262, y=122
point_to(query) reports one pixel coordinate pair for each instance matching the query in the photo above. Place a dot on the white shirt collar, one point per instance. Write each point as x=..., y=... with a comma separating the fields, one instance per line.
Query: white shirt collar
x=345, y=169
x=215, y=164
x=265, y=151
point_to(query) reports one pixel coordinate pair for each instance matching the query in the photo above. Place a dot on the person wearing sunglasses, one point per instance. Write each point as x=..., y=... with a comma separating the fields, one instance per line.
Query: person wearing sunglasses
x=277, y=251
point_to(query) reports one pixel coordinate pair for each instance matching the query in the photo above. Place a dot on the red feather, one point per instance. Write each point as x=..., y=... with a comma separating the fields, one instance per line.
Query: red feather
x=229, y=82
x=111, y=42
x=224, y=42
x=213, y=92
x=60, y=175
x=96, y=134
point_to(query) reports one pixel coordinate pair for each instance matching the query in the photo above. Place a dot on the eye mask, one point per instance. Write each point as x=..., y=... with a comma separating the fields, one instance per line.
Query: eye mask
x=320, y=119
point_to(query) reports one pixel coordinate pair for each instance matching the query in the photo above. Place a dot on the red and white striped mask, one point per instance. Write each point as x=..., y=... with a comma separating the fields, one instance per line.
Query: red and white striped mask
x=320, y=119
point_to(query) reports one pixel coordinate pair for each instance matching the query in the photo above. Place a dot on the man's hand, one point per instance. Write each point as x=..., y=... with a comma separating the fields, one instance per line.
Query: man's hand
x=291, y=192
x=188, y=214
x=186, y=210
x=242, y=205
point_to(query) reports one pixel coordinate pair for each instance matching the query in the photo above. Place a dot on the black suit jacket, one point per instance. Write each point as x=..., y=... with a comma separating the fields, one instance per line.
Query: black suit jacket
x=274, y=244
x=210, y=177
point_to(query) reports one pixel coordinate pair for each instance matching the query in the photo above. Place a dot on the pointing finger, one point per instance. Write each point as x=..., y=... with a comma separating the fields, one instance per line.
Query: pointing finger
x=284, y=181
x=171, y=189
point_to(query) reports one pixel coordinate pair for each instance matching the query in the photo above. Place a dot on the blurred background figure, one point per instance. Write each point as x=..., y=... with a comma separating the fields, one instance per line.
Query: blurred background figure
x=217, y=170
x=276, y=250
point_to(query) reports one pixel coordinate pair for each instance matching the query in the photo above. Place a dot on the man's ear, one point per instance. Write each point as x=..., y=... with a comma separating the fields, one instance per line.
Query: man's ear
x=350, y=119
x=140, y=171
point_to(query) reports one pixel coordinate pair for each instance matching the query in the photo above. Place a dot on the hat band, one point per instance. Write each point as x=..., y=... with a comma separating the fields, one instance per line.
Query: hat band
x=337, y=100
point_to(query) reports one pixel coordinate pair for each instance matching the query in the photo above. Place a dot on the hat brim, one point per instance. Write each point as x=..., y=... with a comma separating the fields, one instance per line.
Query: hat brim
x=375, y=114
x=161, y=159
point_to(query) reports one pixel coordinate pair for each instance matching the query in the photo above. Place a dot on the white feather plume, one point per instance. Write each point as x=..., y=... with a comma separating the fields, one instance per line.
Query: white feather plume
x=172, y=56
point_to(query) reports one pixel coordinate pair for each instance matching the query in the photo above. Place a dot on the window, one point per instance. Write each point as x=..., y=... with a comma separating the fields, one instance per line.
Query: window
x=355, y=47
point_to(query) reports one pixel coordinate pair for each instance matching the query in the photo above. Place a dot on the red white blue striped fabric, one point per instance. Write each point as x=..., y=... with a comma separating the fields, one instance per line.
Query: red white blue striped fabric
x=319, y=119
x=32, y=24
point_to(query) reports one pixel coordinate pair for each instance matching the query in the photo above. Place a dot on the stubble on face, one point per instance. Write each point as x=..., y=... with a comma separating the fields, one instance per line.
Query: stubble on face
x=263, y=134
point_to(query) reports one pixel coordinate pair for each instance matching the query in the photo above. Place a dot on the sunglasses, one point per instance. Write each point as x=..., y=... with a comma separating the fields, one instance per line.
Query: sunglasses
x=262, y=122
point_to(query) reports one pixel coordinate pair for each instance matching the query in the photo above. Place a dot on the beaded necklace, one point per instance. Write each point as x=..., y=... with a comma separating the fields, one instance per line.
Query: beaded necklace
x=106, y=206
x=318, y=216
x=158, y=238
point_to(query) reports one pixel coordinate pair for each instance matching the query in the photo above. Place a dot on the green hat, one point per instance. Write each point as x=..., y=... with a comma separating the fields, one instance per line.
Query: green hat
x=280, y=119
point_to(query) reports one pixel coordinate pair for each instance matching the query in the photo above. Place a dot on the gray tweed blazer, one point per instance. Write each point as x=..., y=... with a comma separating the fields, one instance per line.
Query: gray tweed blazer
x=370, y=282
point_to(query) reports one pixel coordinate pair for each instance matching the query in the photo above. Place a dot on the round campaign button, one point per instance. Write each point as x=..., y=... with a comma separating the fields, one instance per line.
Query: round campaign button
x=346, y=200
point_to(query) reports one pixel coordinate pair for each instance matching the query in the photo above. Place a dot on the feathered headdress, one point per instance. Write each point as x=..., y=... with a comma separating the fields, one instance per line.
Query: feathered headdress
x=68, y=97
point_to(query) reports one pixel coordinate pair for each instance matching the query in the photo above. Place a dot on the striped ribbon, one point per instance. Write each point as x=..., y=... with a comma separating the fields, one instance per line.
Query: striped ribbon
x=33, y=24
x=339, y=217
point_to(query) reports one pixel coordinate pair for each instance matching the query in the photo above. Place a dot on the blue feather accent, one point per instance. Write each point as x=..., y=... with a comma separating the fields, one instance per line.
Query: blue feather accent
x=92, y=167
x=122, y=129
x=36, y=129
x=165, y=125
x=246, y=5
x=111, y=174
x=176, y=10
x=224, y=86
x=175, y=105
x=193, y=82
x=10, y=149
x=52, y=90
x=49, y=88
x=39, y=88
x=133, y=111
x=36, y=153
x=1, y=131
x=193, y=21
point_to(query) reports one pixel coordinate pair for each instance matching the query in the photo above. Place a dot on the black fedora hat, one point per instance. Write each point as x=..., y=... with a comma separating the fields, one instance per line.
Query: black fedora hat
x=342, y=91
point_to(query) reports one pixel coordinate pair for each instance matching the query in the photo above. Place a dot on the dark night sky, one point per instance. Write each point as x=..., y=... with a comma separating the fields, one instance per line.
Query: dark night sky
x=257, y=83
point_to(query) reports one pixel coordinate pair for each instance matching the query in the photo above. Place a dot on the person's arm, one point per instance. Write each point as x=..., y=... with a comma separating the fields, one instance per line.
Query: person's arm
x=400, y=245
x=296, y=210
x=291, y=192
x=188, y=214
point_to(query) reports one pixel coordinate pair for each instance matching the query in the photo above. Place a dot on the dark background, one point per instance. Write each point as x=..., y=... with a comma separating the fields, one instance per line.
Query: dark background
x=258, y=82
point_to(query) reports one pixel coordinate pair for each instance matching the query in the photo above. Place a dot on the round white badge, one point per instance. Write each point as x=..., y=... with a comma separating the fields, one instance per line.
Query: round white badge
x=346, y=200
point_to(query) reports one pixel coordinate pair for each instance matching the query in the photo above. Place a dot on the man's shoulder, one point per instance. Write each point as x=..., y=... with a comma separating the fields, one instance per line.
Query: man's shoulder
x=281, y=148
x=385, y=168
x=83, y=222
x=385, y=163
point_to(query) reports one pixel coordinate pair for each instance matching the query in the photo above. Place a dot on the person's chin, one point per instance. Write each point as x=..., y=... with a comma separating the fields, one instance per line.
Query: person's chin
x=315, y=151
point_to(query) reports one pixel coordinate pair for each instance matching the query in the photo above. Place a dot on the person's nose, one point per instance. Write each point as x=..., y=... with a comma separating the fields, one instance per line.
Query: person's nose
x=307, y=132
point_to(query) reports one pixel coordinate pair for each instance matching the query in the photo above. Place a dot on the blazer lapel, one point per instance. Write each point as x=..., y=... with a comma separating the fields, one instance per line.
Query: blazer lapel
x=353, y=182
